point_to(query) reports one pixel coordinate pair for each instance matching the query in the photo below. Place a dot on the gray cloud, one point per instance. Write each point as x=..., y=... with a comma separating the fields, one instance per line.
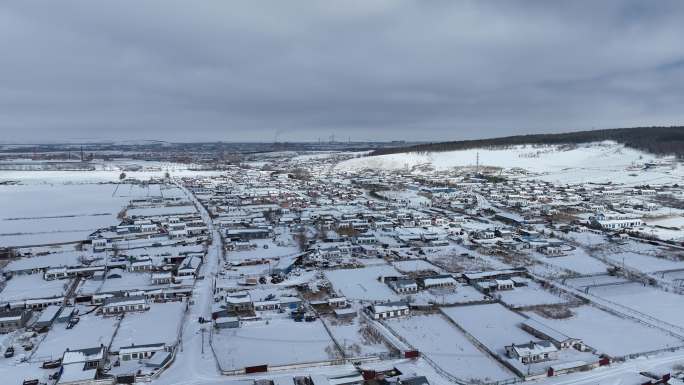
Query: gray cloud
x=368, y=69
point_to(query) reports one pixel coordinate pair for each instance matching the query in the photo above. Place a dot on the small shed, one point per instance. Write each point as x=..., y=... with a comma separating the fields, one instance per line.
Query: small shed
x=227, y=322
x=47, y=317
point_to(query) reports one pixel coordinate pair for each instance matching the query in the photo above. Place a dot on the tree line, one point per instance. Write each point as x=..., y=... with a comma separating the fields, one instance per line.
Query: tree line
x=655, y=140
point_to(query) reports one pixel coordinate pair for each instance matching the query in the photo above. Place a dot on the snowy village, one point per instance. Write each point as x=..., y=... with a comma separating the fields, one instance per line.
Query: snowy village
x=494, y=266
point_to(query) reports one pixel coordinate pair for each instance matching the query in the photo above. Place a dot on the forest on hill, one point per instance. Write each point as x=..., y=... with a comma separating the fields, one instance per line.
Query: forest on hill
x=655, y=140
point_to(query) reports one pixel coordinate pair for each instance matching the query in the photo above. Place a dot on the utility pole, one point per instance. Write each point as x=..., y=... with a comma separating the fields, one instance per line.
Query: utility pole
x=202, y=339
x=477, y=163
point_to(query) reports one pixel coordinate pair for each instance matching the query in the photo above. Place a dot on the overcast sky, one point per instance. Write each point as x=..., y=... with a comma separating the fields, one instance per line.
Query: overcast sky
x=302, y=70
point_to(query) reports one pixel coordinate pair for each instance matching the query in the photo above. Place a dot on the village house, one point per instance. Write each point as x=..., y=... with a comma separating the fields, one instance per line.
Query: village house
x=388, y=310
x=616, y=221
x=47, y=317
x=490, y=286
x=435, y=281
x=246, y=234
x=545, y=332
x=11, y=320
x=346, y=313
x=338, y=302
x=120, y=305
x=404, y=285
x=272, y=304
x=141, y=265
x=99, y=244
x=81, y=366
x=226, y=322
x=551, y=250
x=139, y=352
x=365, y=239
x=239, y=302
x=532, y=352
x=161, y=278
x=190, y=266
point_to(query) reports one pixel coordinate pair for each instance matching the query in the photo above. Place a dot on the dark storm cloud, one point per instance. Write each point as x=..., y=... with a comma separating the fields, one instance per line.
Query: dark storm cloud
x=300, y=70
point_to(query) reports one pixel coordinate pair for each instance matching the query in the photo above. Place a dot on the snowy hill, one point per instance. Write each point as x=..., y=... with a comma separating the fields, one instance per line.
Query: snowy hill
x=595, y=162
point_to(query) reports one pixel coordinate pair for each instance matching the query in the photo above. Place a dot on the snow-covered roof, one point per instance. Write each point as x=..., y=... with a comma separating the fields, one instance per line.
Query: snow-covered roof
x=83, y=355
x=534, y=348
x=389, y=306
x=130, y=300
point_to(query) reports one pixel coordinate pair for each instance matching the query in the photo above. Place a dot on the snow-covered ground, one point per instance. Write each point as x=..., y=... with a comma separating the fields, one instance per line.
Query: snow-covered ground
x=91, y=331
x=530, y=295
x=491, y=324
x=35, y=214
x=159, y=324
x=278, y=342
x=576, y=260
x=410, y=197
x=105, y=172
x=656, y=303
x=356, y=337
x=363, y=284
x=448, y=347
x=415, y=265
x=29, y=286
x=610, y=334
x=595, y=162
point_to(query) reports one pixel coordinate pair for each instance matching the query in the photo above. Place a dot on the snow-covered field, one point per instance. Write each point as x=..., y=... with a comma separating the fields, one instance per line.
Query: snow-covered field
x=491, y=324
x=584, y=282
x=460, y=258
x=278, y=342
x=409, y=197
x=58, y=258
x=414, y=265
x=356, y=337
x=91, y=331
x=167, y=210
x=159, y=324
x=577, y=260
x=29, y=286
x=596, y=162
x=363, y=283
x=266, y=248
x=656, y=303
x=608, y=333
x=104, y=172
x=448, y=347
x=530, y=295
x=645, y=263
x=49, y=213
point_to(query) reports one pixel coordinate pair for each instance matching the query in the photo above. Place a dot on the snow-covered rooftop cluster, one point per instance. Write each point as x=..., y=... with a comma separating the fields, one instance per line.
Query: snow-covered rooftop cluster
x=489, y=266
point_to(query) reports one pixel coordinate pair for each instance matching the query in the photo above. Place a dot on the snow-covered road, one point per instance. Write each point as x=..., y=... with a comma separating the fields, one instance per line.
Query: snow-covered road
x=195, y=362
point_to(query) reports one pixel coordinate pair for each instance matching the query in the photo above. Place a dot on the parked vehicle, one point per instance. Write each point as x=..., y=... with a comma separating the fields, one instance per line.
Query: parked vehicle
x=9, y=352
x=52, y=364
x=72, y=322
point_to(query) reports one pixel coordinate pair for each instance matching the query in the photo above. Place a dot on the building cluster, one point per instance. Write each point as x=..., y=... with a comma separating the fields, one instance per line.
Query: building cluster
x=309, y=265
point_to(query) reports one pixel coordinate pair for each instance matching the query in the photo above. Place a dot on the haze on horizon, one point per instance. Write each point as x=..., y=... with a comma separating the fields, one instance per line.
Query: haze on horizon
x=362, y=69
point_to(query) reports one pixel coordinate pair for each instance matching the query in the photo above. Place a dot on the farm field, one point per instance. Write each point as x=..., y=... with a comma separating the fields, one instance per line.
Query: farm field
x=665, y=306
x=608, y=333
x=448, y=347
x=363, y=283
x=280, y=342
